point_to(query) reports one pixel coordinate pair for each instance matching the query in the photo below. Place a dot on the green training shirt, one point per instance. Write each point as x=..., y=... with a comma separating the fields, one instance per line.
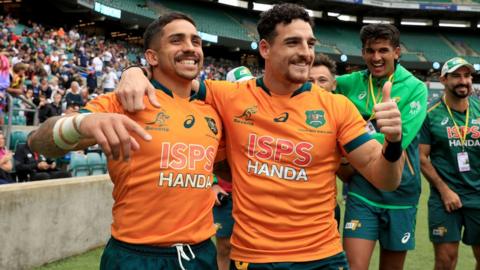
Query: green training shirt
x=440, y=133
x=411, y=96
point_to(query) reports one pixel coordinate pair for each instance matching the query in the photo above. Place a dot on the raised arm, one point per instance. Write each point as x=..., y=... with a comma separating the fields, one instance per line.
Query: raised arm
x=382, y=165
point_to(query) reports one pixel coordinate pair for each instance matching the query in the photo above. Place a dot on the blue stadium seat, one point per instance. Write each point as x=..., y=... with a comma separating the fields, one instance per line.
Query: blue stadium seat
x=16, y=138
x=96, y=164
x=78, y=165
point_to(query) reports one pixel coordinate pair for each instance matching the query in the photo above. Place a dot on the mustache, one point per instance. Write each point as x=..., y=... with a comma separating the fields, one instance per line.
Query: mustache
x=461, y=85
x=192, y=56
x=298, y=59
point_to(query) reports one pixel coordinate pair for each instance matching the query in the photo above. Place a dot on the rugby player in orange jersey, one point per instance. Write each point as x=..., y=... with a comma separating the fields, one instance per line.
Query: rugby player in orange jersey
x=162, y=212
x=285, y=138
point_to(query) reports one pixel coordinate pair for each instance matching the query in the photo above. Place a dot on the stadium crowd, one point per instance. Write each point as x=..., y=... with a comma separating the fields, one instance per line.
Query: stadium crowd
x=56, y=71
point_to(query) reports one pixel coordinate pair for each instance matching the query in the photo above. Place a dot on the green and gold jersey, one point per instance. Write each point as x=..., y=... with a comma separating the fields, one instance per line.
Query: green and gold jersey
x=411, y=97
x=446, y=143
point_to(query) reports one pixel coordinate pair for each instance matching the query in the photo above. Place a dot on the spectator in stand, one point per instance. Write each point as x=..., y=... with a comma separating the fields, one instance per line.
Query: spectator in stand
x=109, y=80
x=45, y=88
x=51, y=109
x=74, y=95
x=4, y=84
x=107, y=57
x=18, y=78
x=24, y=105
x=6, y=164
x=55, y=87
x=91, y=79
x=35, y=87
x=31, y=166
x=72, y=108
x=98, y=64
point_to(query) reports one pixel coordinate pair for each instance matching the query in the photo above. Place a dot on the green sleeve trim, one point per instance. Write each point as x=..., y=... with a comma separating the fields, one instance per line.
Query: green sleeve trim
x=353, y=144
x=215, y=180
x=83, y=110
x=380, y=205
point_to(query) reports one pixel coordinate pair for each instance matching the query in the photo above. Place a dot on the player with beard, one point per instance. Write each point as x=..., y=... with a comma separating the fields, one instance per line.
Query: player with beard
x=372, y=214
x=285, y=137
x=450, y=161
x=162, y=212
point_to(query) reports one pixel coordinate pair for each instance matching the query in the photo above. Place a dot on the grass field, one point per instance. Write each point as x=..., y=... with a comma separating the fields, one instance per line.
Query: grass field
x=419, y=259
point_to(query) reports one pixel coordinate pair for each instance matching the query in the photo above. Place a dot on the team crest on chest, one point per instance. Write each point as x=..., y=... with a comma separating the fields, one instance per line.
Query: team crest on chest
x=212, y=125
x=315, y=118
x=159, y=122
x=246, y=116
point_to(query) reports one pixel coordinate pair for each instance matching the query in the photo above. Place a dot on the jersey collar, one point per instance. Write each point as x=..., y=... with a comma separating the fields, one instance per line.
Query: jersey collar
x=200, y=94
x=304, y=88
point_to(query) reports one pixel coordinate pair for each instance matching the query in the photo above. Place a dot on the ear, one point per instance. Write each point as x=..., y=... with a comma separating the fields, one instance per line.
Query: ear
x=264, y=49
x=151, y=57
x=443, y=79
x=334, y=85
x=397, y=52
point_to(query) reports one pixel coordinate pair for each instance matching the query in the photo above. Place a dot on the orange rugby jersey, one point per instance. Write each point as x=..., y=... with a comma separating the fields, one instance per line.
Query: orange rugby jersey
x=162, y=195
x=284, y=152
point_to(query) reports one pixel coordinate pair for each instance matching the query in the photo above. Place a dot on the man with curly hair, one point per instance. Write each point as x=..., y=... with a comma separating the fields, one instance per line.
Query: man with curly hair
x=284, y=156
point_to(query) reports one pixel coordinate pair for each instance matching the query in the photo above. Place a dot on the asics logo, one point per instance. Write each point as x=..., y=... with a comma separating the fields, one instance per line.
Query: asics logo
x=188, y=123
x=405, y=238
x=281, y=118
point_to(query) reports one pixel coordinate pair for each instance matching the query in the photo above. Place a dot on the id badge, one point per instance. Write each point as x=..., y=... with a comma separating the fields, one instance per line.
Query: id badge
x=370, y=128
x=463, y=162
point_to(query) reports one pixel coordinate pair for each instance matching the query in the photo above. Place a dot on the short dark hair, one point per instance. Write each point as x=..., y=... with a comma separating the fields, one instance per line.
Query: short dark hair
x=372, y=32
x=157, y=26
x=281, y=13
x=323, y=60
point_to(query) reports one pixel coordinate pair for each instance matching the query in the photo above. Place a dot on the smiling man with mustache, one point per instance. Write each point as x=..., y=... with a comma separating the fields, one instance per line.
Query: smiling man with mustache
x=162, y=212
x=450, y=158
x=372, y=214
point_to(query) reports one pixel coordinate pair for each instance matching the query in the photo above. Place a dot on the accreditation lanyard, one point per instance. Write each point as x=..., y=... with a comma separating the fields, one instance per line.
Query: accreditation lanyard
x=462, y=157
x=371, y=92
x=462, y=135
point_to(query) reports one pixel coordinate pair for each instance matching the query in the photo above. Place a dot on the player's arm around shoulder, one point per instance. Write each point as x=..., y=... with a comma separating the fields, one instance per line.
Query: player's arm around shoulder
x=383, y=164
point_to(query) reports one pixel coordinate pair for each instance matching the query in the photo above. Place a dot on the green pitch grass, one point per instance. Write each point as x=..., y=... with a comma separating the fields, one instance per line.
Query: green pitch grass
x=421, y=258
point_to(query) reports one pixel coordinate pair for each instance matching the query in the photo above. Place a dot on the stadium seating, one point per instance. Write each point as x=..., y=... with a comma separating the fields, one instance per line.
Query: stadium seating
x=16, y=138
x=96, y=164
x=79, y=165
x=433, y=46
x=211, y=21
x=133, y=6
x=345, y=39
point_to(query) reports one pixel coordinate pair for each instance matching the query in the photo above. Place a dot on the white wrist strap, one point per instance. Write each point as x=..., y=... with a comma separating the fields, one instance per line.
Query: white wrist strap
x=66, y=132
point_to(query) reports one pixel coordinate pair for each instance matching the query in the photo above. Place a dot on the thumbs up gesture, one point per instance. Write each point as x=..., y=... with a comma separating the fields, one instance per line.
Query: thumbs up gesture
x=388, y=116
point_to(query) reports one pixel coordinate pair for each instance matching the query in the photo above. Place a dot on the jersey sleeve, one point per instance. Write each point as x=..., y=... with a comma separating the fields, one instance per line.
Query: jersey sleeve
x=413, y=114
x=425, y=134
x=103, y=104
x=351, y=131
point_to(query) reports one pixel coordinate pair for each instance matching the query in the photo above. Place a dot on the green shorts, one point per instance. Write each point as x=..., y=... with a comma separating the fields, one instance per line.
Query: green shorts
x=393, y=228
x=336, y=262
x=119, y=255
x=447, y=227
